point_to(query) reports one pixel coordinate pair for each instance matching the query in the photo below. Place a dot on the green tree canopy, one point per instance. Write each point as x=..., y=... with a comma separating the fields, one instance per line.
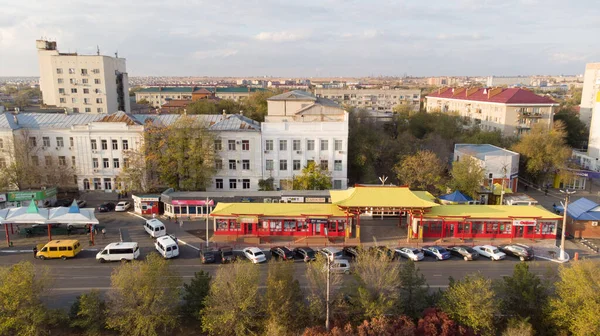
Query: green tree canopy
x=88, y=314
x=413, y=291
x=284, y=300
x=576, y=131
x=145, y=297
x=195, y=293
x=312, y=178
x=421, y=171
x=467, y=176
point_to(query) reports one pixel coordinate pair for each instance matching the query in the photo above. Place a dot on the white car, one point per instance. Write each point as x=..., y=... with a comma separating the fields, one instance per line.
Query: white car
x=123, y=206
x=490, y=251
x=254, y=254
x=332, y=253
x=410, y=253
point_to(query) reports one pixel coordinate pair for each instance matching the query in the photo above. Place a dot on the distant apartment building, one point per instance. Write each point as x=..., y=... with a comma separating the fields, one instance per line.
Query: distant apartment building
x=82, y=83
x=373, y=99
x=158, y=96
x=591, y=87
x=301, y=128
x=512, y=111
x=508, y=81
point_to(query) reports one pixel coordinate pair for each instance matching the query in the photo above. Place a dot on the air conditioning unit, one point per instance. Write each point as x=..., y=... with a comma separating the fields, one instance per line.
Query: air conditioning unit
x=298, y=152
x=43, y=148
x=56, y=148
x=237, y=142
x=594, y=223
x=239, y=180
x=94, y=151
x=70, y=148
x=96, y=170
x=341, y=152
x=266, y=152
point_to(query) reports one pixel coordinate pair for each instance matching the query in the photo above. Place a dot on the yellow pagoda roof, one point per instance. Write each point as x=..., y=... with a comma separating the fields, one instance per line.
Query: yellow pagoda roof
x=278, y=209
x=381, y=196
x=491, y=211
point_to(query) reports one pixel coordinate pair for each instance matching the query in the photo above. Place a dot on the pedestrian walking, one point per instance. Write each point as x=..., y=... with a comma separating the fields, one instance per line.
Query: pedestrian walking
x=103, y=233
x=35, y=251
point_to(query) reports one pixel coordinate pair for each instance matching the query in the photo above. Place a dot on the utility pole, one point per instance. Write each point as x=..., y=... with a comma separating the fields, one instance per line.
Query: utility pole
x=564, y=228
x=327, y=296
x=206, y=221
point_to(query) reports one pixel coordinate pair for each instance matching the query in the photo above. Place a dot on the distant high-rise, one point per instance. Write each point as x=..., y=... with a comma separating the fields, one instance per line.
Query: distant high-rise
x=591, y=86
x=82, y=83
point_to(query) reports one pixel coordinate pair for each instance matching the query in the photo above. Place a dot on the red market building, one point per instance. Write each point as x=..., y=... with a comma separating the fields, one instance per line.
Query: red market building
x=146, y=204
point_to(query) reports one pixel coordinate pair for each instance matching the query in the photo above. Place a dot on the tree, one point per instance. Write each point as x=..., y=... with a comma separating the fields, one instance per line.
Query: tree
x=376, y=291
x=316, y=276
x=144, y=101
x=134, y=175
x=576, y=305
x=266, y=184
x=202, y=106
x=195, y=293
x=421, y=171
x=544, y=151
x=145, y=297
x=255, y=107
x=312, y=178
x=378, y=326
x=523, y=294
x=472, y=302
x=284, y=300
x=467, y=176
x=576, y=131
x=518, y=327
x=88, y=313
x=436, y=322
x=233, y=305
x=413, y=290
x=22, y=287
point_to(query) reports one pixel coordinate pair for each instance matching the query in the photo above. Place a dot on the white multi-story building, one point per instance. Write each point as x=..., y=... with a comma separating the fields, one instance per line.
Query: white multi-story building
x=373, y=99
x=591, y=86
x=508, y=81
x=82, y=83
x=300, y=128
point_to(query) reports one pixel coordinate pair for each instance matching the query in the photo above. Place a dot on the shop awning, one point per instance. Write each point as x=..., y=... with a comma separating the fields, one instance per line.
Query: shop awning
x=277, y=210
x=491, y=212
x=380, y=197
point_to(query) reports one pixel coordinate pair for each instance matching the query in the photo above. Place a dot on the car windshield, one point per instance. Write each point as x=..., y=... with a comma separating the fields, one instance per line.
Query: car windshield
x=441, y=250
x=495, y=251
x=415, y=251
x=470, y=250
x=258, y=253
x=338, y=254
x=310, y=253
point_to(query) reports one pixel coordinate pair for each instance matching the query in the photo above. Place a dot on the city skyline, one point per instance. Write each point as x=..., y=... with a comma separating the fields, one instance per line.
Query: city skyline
x=343, y=38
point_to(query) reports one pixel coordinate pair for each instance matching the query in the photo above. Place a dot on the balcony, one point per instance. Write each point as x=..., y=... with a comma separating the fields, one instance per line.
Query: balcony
x=531, y=115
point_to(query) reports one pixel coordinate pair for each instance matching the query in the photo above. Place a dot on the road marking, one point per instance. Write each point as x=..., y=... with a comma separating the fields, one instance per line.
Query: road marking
x=437, y=275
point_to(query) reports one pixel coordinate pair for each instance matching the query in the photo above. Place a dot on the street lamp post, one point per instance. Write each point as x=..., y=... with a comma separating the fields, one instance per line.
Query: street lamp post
x=564, y=228
x=328, y=281
x=206, y=221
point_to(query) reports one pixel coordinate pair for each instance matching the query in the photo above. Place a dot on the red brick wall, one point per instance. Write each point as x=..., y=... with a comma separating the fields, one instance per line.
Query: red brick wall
x=583, y=229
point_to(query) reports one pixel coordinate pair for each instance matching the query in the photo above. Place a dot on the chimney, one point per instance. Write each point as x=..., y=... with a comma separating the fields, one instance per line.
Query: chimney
x=16, y=119
x=224, y=113
x=241, y=112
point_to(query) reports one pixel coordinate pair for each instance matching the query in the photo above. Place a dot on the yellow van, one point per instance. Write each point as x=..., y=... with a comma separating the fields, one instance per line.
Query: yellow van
x=59, y=249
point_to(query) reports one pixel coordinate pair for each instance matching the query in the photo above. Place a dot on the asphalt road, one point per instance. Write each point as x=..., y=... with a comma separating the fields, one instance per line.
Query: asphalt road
x=83, y=273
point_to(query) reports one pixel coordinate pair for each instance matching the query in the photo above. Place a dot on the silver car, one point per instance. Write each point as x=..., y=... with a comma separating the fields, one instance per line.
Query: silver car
x=410, y=253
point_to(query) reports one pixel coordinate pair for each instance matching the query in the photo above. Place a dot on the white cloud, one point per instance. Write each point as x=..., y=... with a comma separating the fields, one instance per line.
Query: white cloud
x=282, y=36
x=462, y=37
x=215, y=53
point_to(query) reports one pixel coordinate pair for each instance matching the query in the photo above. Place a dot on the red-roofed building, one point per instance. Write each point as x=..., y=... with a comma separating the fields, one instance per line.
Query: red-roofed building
x=512, y=111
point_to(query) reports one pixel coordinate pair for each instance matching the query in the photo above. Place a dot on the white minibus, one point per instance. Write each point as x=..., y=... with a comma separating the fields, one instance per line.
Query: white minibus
x=155, y=228
x=119, y=252
x=167, y=247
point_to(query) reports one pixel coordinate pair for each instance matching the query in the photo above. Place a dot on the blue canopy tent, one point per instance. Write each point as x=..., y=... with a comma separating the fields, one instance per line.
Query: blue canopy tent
x=455, y=198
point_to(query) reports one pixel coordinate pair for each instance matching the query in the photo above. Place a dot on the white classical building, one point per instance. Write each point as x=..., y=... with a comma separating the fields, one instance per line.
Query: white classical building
x=300, y=128
x=82, y=83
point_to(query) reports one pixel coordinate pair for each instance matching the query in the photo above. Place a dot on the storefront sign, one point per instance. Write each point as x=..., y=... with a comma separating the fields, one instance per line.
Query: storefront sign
x=192, y=202
x=247, y=219
x=2, y=197
x=293, y=199
x=148, y=199
x=315, y=200
x=317, y=221
x=29, y=195
x=524, y=222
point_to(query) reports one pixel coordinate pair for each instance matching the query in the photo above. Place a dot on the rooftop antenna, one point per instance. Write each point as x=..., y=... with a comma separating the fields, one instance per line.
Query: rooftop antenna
x=117, y=54
x=97, y=50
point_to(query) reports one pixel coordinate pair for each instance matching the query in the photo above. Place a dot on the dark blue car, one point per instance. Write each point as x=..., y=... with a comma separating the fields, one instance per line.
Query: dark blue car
x=438, y=252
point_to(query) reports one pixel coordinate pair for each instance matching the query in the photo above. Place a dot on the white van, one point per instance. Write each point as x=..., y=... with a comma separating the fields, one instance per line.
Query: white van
x=119, y=252
x=155, y=228
x=167, y=247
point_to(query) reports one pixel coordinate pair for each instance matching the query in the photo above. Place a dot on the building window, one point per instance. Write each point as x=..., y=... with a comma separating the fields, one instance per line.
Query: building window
x=86, y=91
x=324, y=145
x=246, y=184
x=104, y=144
x=107, y=184
x=105, y=163
x=73, y=90
x=86, y=100
x=75, y=110
x=35, y=160
x=232, y=165
x=72, y=71
x=88, y=110
x=96, y=71
x=84, y=72
x=310, y=162
x=219, y=183
x=60, y=81
x=32, y=142
x=218, y=164
x=59, y=71
x=1, y=143
x=94, y=144
x=115, y=163
x=96, y=81
x=269, y=145
x=296, y=145
x=63, y=100
x=99, y=110
x=246, y=164
x=97, y=183
x=310, y=145
x=48, y=160
x=115, y=145
x=337, y=165
x=231, y=145
x=218, y=145
x=97, y=91
x=125, y=145
x=72, y=161
x=72, y=81
x=125, y=162
x=337, y=184
x=2, y=163
x=296, y=165
x=245, y=145
x=283, y=165
x=282, y=145
x=98, y=100
x=269, y=165
x=62, y=161
x=71, y=142
x=74, y=100
x=338, y=145
x=86, y=184
x=84, y=81
x=60, y=142
x=46, y=141
x=95, y=162
x=232, y=184
x=324, y=165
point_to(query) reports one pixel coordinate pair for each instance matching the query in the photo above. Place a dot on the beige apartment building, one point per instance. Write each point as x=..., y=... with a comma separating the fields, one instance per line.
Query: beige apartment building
x=511, y=111
x=158, y=96
x=591, y=86
x=82, y=83
x=372, y=99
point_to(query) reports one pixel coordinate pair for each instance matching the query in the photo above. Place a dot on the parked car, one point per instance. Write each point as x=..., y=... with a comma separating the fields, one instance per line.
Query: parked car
x=81, y=203
x=464, y=252
x=123, y=206
x=340, y=266
x=523, y=252
x=106, y=207
x=332, y=253
x=207, y=255
x=490, y=251
x=410, y=253
x=226, y=254
x=254, y=254
x=438, y=252
x=49, y=203
x=305, y=253
x=385, y=251
x=63, y=203
x=283, y=253
x=351, y=251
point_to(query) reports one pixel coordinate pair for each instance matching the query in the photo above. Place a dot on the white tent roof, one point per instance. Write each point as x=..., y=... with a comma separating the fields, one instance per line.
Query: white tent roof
x=33, y=215
x=63, y=215
x=22, y=216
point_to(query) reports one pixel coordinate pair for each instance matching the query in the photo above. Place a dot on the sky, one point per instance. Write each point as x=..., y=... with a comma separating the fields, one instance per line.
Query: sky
x=307, y=38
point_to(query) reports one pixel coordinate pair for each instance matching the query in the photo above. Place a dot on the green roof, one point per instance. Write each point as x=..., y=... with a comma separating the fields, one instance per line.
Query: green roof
x=180, y=89
x=239, y=89
x=190, y=89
